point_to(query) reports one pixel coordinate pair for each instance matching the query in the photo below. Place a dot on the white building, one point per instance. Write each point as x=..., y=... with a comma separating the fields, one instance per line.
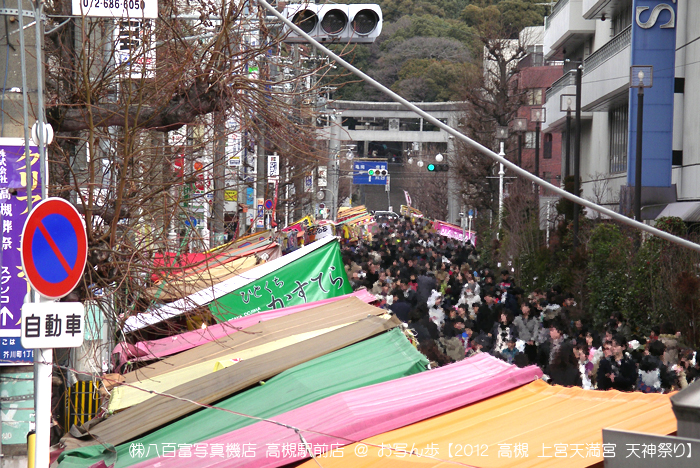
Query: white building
x=608, y=37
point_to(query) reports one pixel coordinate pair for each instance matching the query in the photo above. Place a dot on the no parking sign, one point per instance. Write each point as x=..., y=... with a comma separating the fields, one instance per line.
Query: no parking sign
x=54, y=248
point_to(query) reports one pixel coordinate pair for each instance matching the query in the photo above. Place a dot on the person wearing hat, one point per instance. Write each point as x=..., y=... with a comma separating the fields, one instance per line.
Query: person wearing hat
x=479, y=344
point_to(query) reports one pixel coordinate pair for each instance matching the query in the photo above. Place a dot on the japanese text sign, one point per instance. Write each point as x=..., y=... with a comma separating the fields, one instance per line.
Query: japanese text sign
x=53, y=325
x=315, y=276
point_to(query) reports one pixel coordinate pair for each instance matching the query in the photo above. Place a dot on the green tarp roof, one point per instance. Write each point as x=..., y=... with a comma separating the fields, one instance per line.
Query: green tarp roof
x=379, y=359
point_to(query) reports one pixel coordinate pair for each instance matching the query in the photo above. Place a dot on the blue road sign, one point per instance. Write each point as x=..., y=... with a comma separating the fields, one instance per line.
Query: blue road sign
x=360, y=175
x=54, y=248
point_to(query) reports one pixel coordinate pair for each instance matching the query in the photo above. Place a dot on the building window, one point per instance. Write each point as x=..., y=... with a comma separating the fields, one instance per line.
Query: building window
x=534, y=97
x=622, y=18
x=617, y=118
x=547, y=146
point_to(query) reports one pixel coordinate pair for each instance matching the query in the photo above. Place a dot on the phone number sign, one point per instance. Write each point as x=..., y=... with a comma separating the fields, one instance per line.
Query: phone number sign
x=135, y=9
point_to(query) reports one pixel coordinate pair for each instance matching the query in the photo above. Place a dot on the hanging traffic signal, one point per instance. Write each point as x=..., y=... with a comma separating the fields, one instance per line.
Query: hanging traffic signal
x=377, y=172
x=361, y=23
x=438, y=167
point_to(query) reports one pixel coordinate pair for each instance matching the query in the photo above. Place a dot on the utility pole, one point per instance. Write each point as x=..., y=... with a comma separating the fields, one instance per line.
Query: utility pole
x=577, y=153
x=331, y=198
x=217, y=235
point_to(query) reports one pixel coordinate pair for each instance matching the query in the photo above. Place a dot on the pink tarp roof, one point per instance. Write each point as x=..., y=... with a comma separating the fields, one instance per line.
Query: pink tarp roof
x=156, y=349
x=357, y=414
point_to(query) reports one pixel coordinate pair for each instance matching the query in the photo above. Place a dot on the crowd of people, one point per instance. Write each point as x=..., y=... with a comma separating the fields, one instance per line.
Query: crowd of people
x=455, y=305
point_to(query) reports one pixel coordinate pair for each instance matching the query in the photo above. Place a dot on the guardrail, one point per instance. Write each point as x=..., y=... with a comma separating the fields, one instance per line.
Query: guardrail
x=602, y=55
x=568, y=79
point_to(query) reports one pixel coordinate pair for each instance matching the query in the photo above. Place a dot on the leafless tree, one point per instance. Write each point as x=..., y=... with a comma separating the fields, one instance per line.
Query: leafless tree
x=149, y=116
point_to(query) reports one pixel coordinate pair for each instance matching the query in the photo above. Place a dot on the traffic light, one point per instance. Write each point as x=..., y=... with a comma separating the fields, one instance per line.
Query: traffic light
x=361, y=23
x=377, y=172
x=438, y=167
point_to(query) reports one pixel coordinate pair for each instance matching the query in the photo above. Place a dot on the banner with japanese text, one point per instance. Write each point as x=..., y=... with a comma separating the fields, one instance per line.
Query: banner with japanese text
x=454, y=232
x=315, y=276
x=13, y=214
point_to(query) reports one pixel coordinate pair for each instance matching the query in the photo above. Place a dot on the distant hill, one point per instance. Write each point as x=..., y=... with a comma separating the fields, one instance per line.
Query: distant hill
x=427, y=46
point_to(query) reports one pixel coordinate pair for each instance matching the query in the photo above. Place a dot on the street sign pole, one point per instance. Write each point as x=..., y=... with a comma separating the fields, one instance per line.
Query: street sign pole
x=54, y=253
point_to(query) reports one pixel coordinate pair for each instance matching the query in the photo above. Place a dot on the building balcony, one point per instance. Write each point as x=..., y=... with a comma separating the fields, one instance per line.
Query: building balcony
x=556, y=119
x=598, y=9
x=606, y=74
x=565, y=28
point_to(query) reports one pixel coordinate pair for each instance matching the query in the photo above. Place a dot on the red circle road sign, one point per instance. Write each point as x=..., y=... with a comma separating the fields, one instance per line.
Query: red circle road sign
x=54, y=248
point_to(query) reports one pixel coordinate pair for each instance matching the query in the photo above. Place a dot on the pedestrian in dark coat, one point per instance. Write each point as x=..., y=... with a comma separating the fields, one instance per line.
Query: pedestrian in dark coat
x=400, y=307
x=426, y=284
x=564, y=368
x=618, y=371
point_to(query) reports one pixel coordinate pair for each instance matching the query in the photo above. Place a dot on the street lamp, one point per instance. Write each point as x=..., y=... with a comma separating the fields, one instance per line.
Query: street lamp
x=641, y=76
x=502, y=136
x=537, y=115
x=520, y=127
x=567, y=104
x=439, y=157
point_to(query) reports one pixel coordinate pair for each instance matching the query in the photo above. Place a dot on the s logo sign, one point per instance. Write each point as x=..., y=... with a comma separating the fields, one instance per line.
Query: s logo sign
x=655, y=16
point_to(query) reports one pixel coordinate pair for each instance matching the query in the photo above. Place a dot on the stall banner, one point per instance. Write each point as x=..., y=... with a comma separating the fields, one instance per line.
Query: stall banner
x=410, y=211
x=315, y=276
x=454, y=232
x=300, y=226
x=13, y=214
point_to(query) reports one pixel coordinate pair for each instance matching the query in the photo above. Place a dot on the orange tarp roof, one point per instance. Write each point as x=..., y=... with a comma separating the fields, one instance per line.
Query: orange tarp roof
x=546, y=418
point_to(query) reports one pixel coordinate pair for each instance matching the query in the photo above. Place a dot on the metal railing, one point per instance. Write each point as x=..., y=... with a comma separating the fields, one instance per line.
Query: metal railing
x=602, y=55
x=568, y=79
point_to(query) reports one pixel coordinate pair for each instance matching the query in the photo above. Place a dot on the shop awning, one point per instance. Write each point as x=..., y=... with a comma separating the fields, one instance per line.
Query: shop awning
x=386, y=357
x=174, y=264
x=197, y=279
x=220, y=290
x=162, y=410
x=537, y=419
x=324, y=316
x=125, y=396
x=368, y=411
x=687, y=211
x=157, y=349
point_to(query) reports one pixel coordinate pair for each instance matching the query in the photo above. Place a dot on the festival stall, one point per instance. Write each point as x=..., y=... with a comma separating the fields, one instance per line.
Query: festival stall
x=368, y=411
x=310, y=273
x=149, y=350
x=454, y=232
x=536, y=425
x=385, y=357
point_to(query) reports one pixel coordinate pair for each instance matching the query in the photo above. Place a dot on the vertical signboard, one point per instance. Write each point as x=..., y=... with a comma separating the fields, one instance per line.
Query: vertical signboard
x=260, y=213
x=273, y=167
x=308, y=183
x=13, y=214
x=234, y=142
x=134, y=48
x=653, y=43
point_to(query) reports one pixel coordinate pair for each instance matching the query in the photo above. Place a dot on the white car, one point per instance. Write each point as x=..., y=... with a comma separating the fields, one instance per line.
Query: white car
x=386, y=214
